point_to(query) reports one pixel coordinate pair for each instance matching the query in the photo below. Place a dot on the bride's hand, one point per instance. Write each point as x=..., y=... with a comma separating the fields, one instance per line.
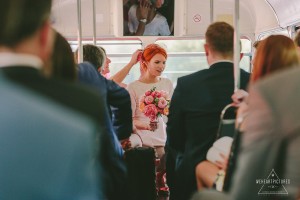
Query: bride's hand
x=141, y=125
x=134, y=58
x=153, y=126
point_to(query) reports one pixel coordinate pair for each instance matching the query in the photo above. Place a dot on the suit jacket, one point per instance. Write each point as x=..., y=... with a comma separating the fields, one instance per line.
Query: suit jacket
x=270, y=142
x=115, y=97
x=193, y=121
x=46, y=150
x=82, y=100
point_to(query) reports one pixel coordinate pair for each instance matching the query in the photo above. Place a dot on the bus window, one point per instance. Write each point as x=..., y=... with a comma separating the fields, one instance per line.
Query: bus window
x=119, y=52
x=187, y=56
x=245, y=62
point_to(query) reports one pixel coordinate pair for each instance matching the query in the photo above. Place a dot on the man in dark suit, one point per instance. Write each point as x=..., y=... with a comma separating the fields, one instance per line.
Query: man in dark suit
x=195, y=110
x=115, y=98
x=270, y=143
x=26, y=41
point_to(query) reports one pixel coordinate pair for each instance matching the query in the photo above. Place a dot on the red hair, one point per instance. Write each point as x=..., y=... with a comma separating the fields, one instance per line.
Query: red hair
x=150, y=51
x=274, y=53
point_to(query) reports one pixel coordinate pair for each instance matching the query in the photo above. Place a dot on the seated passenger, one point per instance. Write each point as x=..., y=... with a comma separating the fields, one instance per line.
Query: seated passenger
x=98, y=57
x=115, y=97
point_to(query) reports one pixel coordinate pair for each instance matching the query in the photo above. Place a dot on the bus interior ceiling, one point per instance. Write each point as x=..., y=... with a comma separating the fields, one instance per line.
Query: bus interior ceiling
x=102, y=21
x=191, y=19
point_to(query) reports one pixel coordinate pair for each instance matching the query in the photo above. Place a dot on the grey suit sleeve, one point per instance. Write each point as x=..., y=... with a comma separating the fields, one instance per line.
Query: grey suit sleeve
x=253, y=159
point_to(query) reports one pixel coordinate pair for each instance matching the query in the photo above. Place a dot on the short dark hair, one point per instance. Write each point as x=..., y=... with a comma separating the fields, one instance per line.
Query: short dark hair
x=94, y=55
x=219, y=36
x=20, y=19
x=297, y=39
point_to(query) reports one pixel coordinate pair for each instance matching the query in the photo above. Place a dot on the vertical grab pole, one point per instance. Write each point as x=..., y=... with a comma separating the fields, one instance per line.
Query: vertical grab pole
x=94, y=22
x=79, y=32
x=211, y=11
x=236, y=45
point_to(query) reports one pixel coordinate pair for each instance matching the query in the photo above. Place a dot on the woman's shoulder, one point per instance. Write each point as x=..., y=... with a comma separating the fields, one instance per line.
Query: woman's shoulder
x=165, y=80
x=167, y=83
x=137, y=86
x=132, y=84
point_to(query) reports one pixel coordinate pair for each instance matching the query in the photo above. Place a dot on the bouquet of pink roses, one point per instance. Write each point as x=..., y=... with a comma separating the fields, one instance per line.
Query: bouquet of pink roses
x=154, y=104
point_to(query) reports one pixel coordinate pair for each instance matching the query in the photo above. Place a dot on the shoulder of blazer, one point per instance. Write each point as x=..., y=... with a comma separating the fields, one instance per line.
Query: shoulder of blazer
x=191, y=78
x=221, y=64
x=194, y=75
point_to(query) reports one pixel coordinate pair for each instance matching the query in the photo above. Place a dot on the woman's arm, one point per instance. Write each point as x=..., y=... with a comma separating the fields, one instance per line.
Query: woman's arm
x=137, y=124
x=121, y=75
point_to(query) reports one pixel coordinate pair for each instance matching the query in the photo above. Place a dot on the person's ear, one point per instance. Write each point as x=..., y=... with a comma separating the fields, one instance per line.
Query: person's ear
x=46, y=41
x=206, y=48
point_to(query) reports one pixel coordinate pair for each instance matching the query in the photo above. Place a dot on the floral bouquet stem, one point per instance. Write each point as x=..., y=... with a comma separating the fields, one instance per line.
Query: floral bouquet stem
x=153, y=125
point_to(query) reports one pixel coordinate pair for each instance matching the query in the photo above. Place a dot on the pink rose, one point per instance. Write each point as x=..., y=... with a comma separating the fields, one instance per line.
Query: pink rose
x=162, y=102
x=154, y=94
x=150, y=111
x=158, y=94
x=149, y=99
x=164, y=94
x=148, y=93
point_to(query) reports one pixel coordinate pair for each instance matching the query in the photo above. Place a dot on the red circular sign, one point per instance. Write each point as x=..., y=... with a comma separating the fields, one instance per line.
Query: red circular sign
x=197, y=18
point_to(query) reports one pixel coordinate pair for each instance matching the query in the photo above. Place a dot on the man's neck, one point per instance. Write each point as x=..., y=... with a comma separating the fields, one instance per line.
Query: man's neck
x=9, y=59
x=219, y=58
